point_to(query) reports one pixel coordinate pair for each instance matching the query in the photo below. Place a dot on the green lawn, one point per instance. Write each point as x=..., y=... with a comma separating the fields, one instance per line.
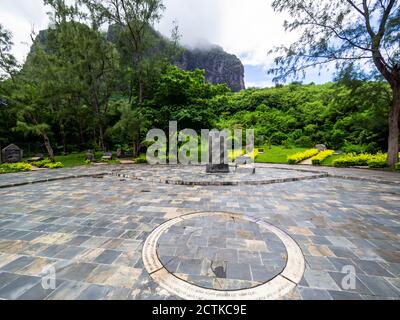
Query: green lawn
x=277, y=154
x=78, y=159
x=328, y=162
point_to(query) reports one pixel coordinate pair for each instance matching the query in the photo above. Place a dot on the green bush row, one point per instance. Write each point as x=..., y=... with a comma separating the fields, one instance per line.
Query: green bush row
x=41, y=164
x=15, y=167
x=55, y=165
x=364, y=159
x=320, y=157
x=299, y=157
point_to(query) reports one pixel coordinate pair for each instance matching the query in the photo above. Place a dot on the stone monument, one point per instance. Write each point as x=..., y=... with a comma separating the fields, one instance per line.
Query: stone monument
x=218, y=160
x=12, y=154
x=90, y=156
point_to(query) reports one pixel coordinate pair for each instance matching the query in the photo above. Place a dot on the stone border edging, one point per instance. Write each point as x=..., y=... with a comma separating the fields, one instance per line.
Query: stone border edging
x=274, y=289
x=77, y=176
x=317, y=175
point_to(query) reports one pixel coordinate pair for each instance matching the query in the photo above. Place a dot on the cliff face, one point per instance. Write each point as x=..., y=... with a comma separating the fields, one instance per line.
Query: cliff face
x=219, y=66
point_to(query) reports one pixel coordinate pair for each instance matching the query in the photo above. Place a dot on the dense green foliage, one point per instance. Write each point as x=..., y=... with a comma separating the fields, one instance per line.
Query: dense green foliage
x=352, y=118
x=14, y=167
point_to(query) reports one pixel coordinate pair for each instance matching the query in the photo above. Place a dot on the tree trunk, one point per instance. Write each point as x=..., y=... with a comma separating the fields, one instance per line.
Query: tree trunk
x=393, y=143
x=141, y=90
x=48, y=147
x=101, y=138
x=136, y=147
x=81, y=137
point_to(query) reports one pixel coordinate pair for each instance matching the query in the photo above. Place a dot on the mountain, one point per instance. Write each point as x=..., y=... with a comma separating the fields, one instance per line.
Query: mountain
x=219, y=66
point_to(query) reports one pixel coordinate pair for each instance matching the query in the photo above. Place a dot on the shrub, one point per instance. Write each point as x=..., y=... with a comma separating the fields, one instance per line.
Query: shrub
x=299, y=157
x=378, y=161
x=55, y=165
x=233, y=154
x=354, y=148
x=15, y=167
x=397, y=167
x=141, y=159
x=320, y=157
x=365, y=159
x=304, y=142
x=352, y=160
x=377, y=164
x=254, y=154
x=41, y=164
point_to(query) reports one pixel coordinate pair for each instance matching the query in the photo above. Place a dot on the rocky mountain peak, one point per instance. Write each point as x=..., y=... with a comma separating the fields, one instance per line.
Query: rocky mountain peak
x=219, y=66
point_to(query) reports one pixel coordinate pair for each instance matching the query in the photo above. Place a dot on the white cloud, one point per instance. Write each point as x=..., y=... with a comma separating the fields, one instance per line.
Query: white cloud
x=21, y=17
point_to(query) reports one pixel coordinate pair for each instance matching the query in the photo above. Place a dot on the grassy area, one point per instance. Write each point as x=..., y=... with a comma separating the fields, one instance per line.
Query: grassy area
x=277, y=154
x=78, y=159
x=72, y=160
x=328, y=162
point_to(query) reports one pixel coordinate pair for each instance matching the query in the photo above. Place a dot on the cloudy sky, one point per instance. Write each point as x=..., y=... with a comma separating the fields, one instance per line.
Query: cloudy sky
x=248, y=29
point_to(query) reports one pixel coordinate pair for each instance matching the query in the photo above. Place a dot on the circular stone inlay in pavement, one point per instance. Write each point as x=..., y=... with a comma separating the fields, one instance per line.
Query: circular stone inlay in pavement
x=217, y=255
x=196, y=175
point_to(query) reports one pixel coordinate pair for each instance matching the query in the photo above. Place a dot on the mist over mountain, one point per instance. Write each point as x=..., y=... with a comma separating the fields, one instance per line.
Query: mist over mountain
x=220, y=67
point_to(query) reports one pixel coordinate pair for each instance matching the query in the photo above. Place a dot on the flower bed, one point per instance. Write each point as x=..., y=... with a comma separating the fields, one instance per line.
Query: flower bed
x=299, y=157
x=55, y=165
x=320, y=157
x=15, y=167
x=364, y=159
x=41, y=164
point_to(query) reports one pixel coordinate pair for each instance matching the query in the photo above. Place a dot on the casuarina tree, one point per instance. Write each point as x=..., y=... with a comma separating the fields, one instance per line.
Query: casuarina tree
x=363, y=33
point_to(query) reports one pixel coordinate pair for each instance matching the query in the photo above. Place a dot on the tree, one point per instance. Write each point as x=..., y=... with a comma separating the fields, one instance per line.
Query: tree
x=90, y=63
x=132, y=124
x=134, y=17
x=8, y=63
x=364, y=33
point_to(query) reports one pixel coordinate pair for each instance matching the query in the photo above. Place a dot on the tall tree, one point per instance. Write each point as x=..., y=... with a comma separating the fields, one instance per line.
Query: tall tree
x=91, y=63
x=366, y=32
x=134, y=17
x=8, y=63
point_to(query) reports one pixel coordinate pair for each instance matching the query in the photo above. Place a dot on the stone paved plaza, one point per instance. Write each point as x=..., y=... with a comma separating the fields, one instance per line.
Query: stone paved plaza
x=91, y=226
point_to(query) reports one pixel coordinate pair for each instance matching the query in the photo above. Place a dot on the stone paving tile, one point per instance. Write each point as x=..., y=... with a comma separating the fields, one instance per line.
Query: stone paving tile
x=253, y=258
x=68, y=290
x=238, y=271
x=343, y=295
x=18, y=287
x=69, y=253
x=6, y=278
x=320, y=263
x=37, y=292
x=17, y=264
x=372, y=268
x=379, y=286
x=95, y=292
x=314, y=294
x=360, y=287
x=108, y=257
x=74, y=271
x=37, y=267
x=262, y=274
x=320, y=280
x=118, y=294
x=190, y=266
